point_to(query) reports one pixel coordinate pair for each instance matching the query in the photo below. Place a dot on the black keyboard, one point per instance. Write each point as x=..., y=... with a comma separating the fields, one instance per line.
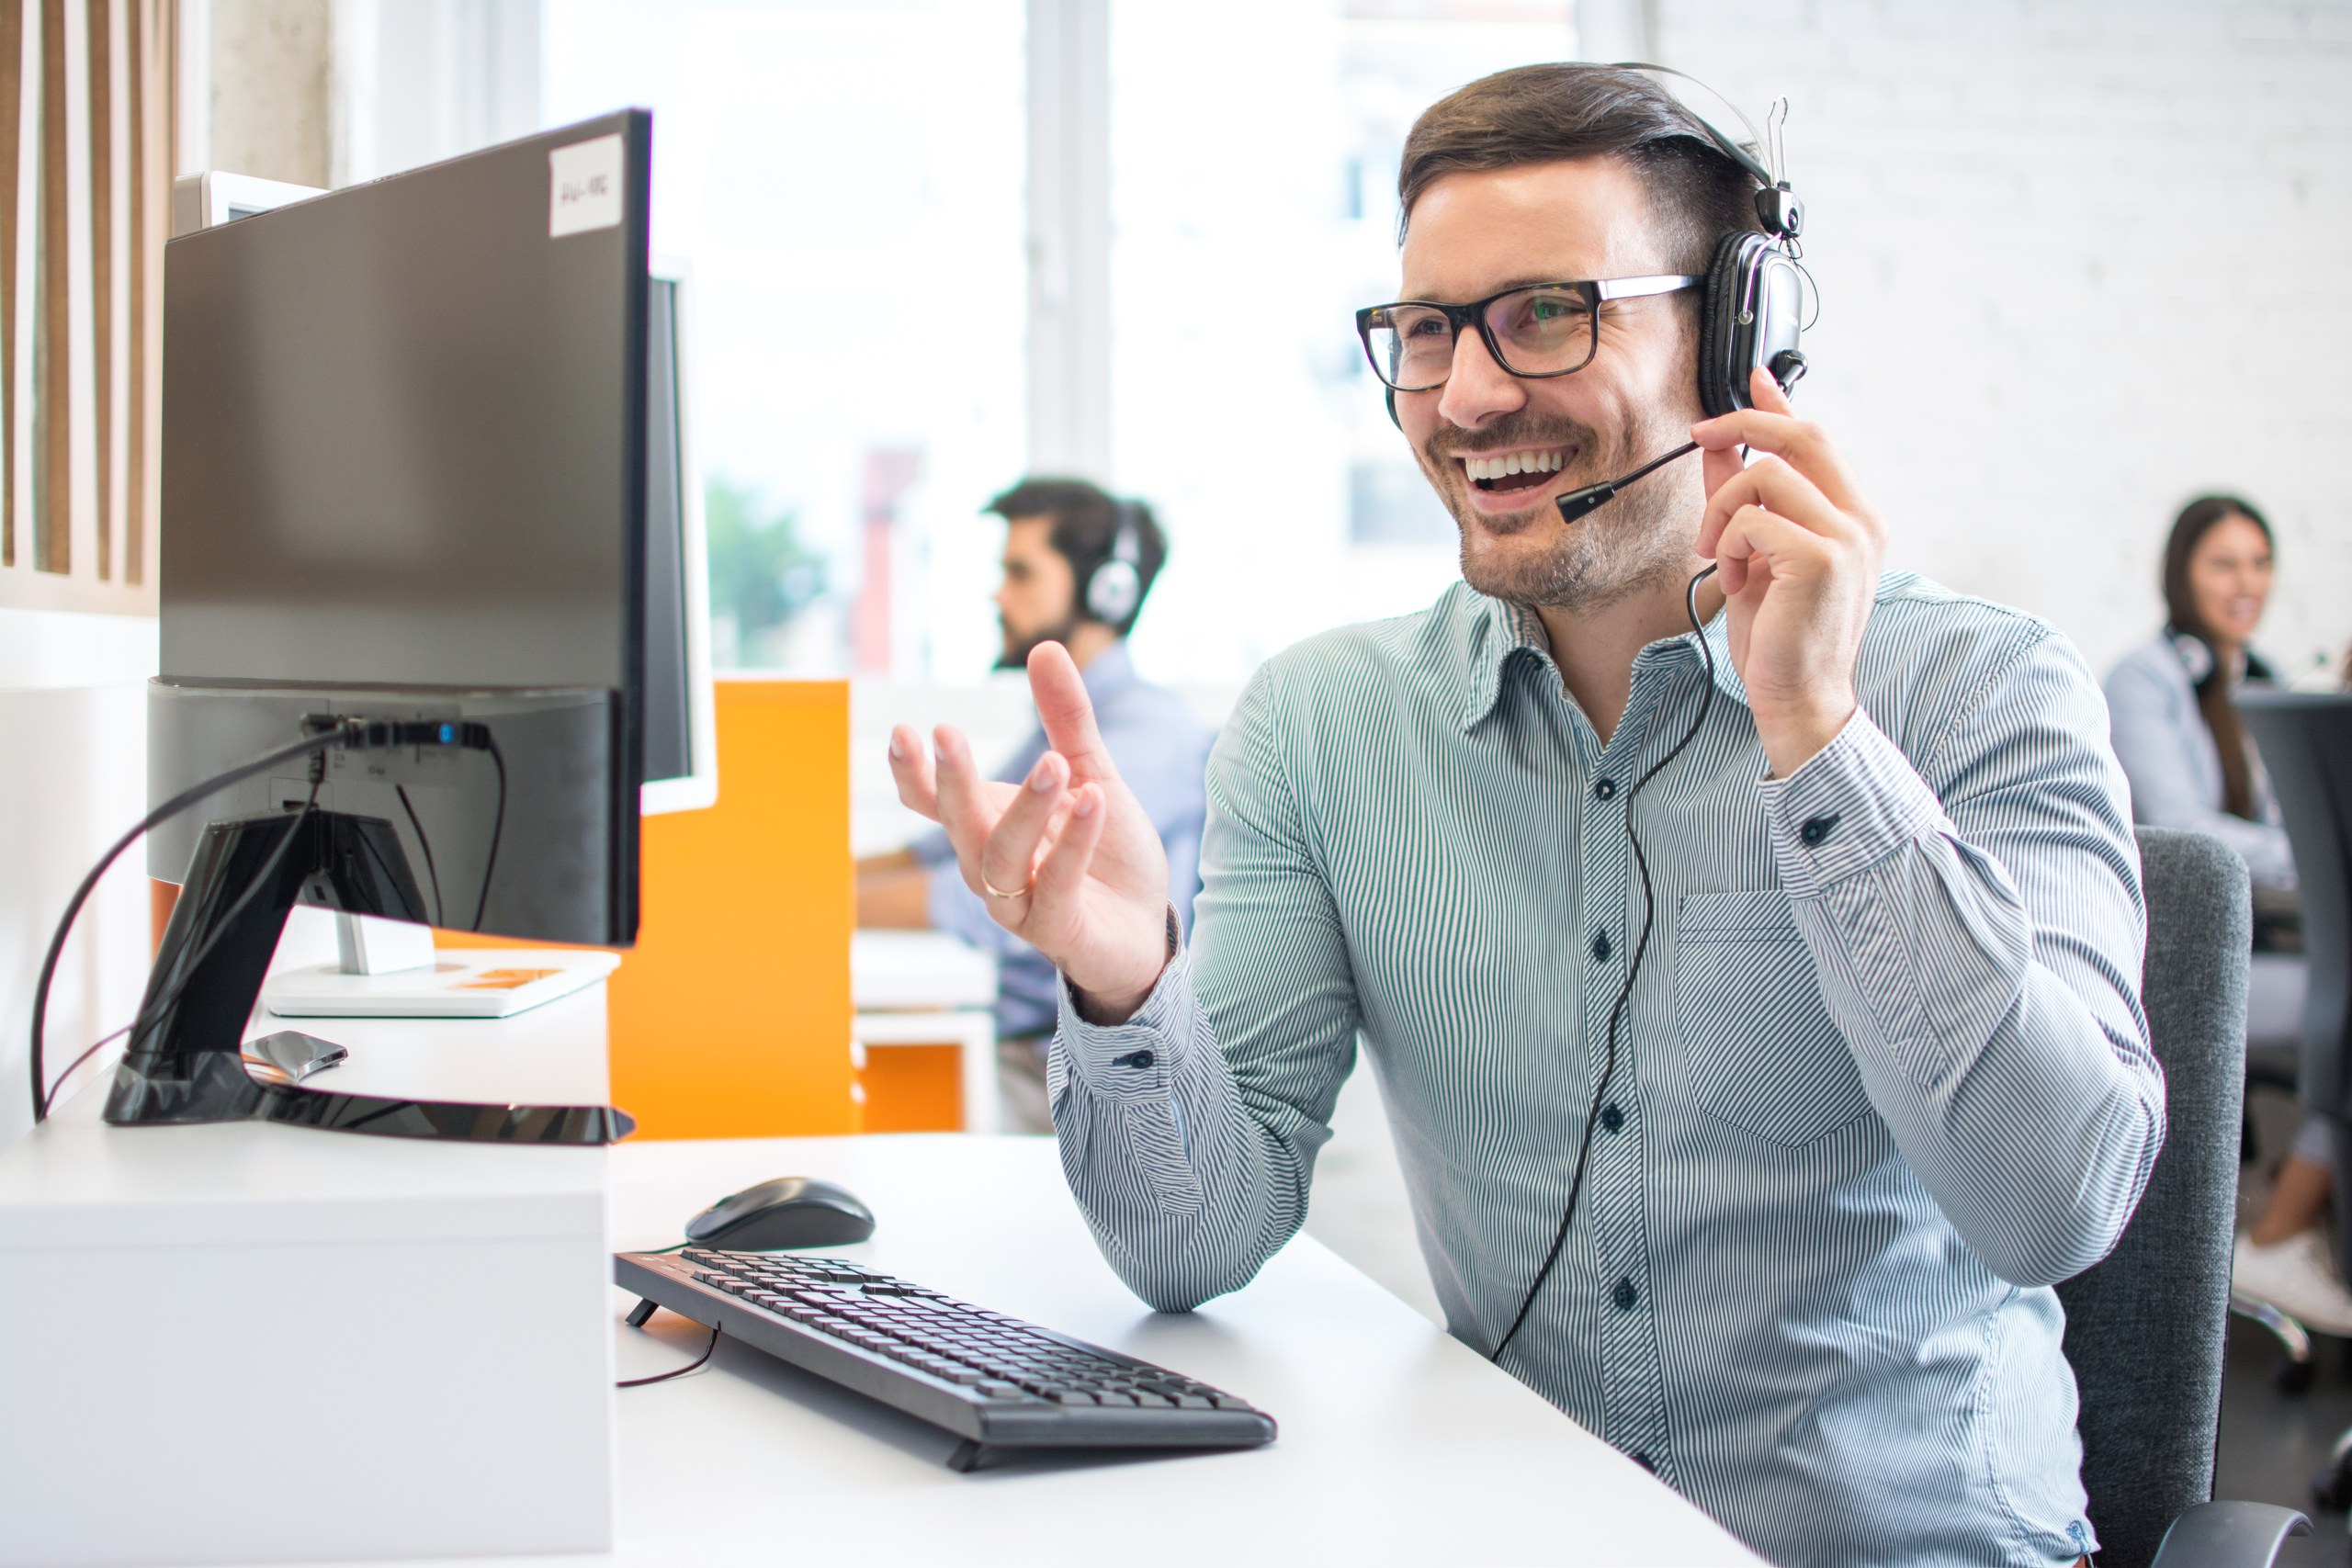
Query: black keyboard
x=994, y=1381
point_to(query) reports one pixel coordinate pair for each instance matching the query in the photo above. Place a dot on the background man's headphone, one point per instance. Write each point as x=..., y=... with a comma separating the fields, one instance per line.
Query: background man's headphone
x=1113, y=590
x=1754, y=310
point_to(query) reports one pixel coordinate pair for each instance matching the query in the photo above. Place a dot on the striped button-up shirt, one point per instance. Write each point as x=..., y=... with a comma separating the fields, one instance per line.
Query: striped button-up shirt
x=1883, y=1078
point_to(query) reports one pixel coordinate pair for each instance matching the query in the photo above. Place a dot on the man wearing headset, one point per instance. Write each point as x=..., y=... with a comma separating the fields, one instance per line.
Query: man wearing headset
x=1752, y=1126
x=1077, y=565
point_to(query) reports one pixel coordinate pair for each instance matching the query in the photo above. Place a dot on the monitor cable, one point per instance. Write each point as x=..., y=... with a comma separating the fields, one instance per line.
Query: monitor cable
x=497, y=823
x=1633, y=969
x=332, y=735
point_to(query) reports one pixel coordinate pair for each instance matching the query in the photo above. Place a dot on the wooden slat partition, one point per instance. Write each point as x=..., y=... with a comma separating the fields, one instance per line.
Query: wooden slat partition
x=85, y=159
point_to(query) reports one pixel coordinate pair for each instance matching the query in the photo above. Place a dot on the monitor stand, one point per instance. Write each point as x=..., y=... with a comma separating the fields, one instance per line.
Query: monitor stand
x=187, y=1061
x=392, y=969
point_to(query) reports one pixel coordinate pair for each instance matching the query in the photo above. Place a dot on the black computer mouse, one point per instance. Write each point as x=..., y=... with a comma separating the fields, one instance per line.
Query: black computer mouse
x=791, y=1211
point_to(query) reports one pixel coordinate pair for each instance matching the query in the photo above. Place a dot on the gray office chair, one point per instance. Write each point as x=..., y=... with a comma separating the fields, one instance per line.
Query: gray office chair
x=2306, y=744
x=2144, y=1327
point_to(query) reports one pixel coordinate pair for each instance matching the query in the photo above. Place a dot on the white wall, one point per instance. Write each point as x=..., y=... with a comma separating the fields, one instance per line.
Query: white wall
x=2079, y=260
x=72, y=719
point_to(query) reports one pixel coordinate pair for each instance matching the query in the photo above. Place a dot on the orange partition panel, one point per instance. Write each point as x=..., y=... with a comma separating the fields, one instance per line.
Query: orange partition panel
x=731, y=1017
x=913, y=1088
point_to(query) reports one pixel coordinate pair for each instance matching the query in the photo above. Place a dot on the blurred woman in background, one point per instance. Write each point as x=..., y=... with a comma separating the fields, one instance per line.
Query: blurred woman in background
x=2185, y=750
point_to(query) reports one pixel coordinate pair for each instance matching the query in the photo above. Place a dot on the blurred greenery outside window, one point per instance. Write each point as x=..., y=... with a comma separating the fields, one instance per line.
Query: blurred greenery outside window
x=762, y=575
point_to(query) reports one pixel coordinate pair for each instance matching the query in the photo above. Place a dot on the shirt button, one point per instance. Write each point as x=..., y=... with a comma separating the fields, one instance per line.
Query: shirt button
x=1816, y=829
x=1646, y=1463
x=1610, y=1117
x=1625, y=1295
x=1600, y=947
x=1604, y=788
x=1134, y=1059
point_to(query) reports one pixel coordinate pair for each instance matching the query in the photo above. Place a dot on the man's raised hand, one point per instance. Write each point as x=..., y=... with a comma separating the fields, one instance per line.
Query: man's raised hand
x=1800, y=549
x=1067, y=860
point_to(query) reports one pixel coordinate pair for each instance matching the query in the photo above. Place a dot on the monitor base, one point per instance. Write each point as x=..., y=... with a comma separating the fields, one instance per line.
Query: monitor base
x=187, y=1062
x=457, y=983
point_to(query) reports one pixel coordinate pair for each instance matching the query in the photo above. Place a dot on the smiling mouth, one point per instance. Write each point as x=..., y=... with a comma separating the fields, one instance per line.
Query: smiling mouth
x=1506, y=472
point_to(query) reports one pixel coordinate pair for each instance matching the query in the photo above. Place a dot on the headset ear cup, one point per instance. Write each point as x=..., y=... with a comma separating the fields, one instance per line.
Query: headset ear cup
x=1721, y=387
x=1114, y=592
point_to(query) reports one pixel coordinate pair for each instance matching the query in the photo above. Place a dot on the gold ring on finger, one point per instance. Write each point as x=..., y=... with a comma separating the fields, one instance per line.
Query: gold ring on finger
x=993, y=891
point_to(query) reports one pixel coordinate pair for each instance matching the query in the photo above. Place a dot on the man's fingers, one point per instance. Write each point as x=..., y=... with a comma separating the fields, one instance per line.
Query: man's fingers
x=1061, y=875
x=1764, y=391
x=1772, y=426
x=910, y=770
x=1010, y=852
x=1771, y=483
x=1760, y=543
x=963, y=808
x=1067, y=712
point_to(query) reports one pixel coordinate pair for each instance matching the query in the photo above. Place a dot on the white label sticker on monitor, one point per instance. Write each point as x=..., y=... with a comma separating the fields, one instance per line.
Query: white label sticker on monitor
x=585, y=187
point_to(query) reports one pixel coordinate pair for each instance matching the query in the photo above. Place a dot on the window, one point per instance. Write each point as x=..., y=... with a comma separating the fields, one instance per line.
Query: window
x=845, y=179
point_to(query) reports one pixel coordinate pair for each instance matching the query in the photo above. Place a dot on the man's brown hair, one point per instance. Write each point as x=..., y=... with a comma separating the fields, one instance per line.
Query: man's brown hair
x=1545, y=114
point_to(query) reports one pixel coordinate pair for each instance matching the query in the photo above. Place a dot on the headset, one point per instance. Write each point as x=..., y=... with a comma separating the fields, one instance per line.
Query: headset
x=1113, y=590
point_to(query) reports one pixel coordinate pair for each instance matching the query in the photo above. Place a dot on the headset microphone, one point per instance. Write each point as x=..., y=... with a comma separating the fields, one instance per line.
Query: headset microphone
x=1787, y=368
x=1576, y=502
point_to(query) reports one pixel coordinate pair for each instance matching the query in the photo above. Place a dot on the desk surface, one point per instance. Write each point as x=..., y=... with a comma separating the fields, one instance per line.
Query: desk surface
x=78, y=1182
x=918, y=969
x=1399, y=1444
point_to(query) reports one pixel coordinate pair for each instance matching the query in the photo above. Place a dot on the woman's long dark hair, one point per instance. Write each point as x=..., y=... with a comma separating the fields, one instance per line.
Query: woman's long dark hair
x=2196, y=520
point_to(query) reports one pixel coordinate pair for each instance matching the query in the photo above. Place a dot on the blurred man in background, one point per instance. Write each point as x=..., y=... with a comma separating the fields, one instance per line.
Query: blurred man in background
x=1078, y=565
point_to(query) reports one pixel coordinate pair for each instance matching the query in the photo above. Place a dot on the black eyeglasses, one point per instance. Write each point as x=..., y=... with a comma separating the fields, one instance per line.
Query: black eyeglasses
x=1543, y=329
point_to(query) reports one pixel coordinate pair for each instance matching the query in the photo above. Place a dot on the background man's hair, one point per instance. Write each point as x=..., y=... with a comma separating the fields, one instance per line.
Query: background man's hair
x=1545, y=114
x=1084, y=522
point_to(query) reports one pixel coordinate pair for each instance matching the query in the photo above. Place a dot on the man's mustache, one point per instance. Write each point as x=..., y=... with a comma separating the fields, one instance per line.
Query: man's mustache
x=1451, y=441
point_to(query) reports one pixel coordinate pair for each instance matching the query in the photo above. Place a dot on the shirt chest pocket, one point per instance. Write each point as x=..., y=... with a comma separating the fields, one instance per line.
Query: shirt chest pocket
x=1763, y=1052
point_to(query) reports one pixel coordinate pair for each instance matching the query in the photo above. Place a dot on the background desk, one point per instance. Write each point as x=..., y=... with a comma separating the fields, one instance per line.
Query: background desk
x=929, y=988
x=1398, y=1443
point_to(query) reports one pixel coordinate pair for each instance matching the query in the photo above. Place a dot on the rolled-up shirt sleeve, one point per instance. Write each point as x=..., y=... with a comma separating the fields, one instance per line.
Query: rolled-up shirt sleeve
x=1977, y=923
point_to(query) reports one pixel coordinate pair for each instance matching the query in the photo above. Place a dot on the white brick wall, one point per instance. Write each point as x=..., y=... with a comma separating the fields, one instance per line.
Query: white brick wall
x=2080, y=260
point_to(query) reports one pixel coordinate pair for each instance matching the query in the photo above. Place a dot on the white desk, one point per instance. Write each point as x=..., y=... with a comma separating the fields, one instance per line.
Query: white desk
x=245, y=1340
x=1399, y=1444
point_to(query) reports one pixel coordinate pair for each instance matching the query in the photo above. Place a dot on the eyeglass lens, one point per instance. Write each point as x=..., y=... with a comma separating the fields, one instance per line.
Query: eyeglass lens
x=1538, y=332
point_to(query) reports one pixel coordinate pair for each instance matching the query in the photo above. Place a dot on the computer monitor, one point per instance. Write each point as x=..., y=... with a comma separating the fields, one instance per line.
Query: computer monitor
x=405, y=481
x=681, y=727
x=680, y=723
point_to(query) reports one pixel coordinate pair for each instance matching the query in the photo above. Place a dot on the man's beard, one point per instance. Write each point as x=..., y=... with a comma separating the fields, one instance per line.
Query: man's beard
x=1017, y=652
x=1634, y=542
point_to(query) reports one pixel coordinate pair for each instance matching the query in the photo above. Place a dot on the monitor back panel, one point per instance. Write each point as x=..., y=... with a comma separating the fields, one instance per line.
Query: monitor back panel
x=404, y=431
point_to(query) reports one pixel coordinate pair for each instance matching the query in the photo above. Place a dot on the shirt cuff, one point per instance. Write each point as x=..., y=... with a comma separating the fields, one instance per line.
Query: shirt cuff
x=1854, y=802
x=1135, y=1058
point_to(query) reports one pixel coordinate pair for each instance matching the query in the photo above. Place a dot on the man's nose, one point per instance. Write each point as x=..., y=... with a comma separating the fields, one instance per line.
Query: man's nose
x=1477, y=389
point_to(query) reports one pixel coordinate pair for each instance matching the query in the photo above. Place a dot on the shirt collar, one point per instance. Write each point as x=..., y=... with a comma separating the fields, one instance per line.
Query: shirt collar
x=1500, y=633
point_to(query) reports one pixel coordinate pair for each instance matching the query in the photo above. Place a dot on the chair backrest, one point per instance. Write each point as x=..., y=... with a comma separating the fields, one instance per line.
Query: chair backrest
x=2306, y=744
x=2144, y=1327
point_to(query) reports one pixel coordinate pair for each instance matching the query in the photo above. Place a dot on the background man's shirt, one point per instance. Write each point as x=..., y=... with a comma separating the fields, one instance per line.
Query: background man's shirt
x=1160, y=748
x=1883, y=1078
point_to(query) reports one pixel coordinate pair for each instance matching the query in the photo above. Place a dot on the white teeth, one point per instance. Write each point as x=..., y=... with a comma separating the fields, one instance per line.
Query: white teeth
x=1516, y=463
